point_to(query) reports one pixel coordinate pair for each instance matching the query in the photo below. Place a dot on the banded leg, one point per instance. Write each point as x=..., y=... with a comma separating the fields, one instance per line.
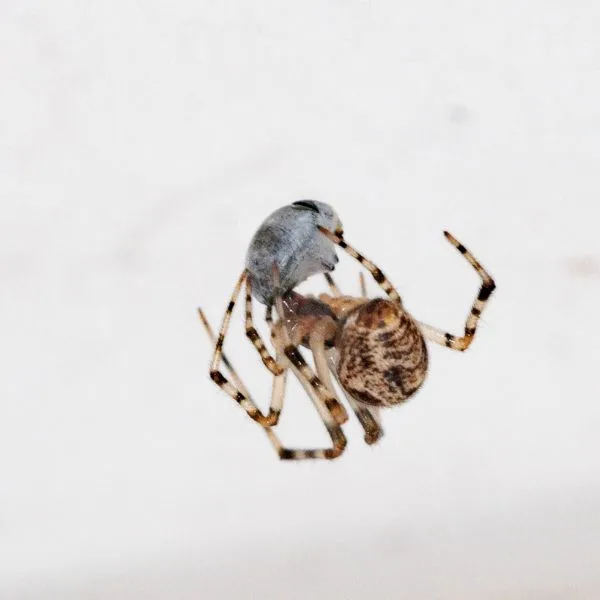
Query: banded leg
x=485, y=291
x=211, y=336
x=367, y=416
x=243, y=399
x=269, y=321
x=337, y=410
x=383, y=282
x=367, y=419
x=325, y=363
x=254, y=336
x=331, y=403
x=321, y=398
x=316, y=343
x=335, y=431
x=269, y=317
x=279, y=382
x=335, y=290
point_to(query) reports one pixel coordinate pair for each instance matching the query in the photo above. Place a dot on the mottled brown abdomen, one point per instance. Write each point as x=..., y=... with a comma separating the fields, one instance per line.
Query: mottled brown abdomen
x=382, y=354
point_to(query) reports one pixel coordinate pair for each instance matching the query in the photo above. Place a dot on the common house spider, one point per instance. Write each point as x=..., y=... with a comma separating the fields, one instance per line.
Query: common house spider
x=373, y=347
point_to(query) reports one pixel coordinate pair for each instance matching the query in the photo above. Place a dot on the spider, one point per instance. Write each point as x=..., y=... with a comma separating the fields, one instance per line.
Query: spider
x=290, y=240
x=375, y=349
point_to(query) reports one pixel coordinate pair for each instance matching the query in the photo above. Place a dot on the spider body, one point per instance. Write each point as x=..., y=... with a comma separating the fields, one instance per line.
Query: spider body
x=380, y=356
x=373, y=347
x=290, y=239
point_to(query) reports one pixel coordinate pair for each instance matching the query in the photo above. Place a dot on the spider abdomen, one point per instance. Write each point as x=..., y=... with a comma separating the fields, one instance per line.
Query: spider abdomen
x=382, y=354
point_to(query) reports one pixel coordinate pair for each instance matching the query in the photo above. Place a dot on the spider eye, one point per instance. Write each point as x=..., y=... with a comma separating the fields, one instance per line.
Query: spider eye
x=308, y=204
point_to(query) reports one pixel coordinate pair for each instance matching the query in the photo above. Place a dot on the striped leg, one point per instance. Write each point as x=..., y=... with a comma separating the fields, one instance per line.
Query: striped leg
x=333, y=405
x=378, y=276
x=323, y=400
x=487, y=287
x=243, y=399
x=269, y=321
x=335, y=431
x=269, y=316
x=334, y=408
x=316, y=343
x=367, y=419
x=366, y=415
x=209, y=331
x=278, y=381
x=335, y=290
x=254, y=336
x=278, y=394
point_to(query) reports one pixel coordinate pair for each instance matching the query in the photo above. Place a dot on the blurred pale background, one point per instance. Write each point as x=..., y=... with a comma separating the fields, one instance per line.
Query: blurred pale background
x=142, y=143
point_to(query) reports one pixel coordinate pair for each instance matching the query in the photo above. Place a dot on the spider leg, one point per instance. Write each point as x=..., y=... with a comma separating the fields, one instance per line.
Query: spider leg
x=239, y=395
x=485, y=291
x=269, y=321
x=375, y=271
x=269, y=317
x=278, y=381
x=278, y=393
x=335, y=290
x=316, y=343
x=254, y=336
x=316, y=394
x=363, y=285
x=368, y=417
x=322, y=399
x=209, y=331
x=368, y=420
x=336, y=409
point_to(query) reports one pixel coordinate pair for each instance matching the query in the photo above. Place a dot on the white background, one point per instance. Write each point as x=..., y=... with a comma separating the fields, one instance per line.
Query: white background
x=141, y=145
